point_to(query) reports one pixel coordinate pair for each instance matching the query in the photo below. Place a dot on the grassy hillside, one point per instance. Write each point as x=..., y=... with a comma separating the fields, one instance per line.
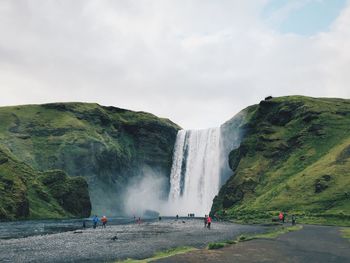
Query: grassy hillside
x=294, y=157
x=105, y=145
x=26, y=193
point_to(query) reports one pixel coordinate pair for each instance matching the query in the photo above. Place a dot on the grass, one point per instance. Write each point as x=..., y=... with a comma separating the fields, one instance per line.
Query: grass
x=272, y=234
x=294, y=157
x=278, y=232
x=345, y=232
x=160, y=255
x=264, y=217
x=216, y=245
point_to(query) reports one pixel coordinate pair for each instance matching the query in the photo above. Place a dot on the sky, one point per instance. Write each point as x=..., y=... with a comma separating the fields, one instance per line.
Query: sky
x=196, y=62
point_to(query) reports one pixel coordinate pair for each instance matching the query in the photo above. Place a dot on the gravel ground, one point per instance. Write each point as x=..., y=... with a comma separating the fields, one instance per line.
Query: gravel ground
x=312, y=244
x=134, y=241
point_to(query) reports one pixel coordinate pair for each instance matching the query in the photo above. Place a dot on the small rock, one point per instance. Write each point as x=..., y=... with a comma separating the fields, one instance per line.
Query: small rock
x=320, y=186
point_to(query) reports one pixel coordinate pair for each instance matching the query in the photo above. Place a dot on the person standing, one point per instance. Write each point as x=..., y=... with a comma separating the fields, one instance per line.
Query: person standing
x=281, y=217
x=95, y=221
x=205, y=220
x=293, y=220
x=208, y=221
x=104, y=221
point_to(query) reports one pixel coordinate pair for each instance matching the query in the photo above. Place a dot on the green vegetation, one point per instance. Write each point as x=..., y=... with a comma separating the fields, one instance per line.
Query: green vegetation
x=160, y=255
x=294, y=157
x=107, y=146
x=216, y=245
x=346, y=233
x=26, y=193
x=277, y=232
x=272, y=234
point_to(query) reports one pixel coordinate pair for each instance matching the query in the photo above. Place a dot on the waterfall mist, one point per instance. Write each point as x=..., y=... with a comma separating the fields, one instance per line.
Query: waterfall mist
x=145, y=192
x=200, y=167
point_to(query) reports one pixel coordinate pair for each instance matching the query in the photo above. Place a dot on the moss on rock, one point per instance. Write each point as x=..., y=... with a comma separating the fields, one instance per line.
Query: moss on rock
x=293, y=157
x=26, y=193
x=106, y=145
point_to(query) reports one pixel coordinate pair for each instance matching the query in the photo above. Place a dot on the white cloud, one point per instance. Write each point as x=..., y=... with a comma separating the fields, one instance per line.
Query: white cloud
x=195, y=62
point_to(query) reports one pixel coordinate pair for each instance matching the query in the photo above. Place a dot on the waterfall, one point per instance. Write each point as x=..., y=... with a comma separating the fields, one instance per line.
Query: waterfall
x=195, y=172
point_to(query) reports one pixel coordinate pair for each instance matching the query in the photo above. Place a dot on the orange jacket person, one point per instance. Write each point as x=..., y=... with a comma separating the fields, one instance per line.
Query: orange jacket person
x=209, y=221
x=104, y=221
x=281, y=217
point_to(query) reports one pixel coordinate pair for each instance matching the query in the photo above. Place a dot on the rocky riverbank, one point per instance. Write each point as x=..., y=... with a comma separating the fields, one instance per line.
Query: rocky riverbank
x=134, y=241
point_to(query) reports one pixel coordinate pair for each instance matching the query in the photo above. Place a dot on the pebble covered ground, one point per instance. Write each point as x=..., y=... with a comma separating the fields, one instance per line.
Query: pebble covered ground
x=134, y=241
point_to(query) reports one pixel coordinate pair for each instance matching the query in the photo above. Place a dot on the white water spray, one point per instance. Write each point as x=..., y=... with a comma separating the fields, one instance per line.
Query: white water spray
x=195, y=173
x=200, y=166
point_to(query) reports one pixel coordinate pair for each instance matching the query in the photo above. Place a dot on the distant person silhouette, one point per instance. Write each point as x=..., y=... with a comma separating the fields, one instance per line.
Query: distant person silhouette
x=293, y=220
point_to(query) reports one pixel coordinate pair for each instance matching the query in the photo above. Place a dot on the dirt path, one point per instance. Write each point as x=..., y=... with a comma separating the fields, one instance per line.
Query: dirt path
x=311, y=244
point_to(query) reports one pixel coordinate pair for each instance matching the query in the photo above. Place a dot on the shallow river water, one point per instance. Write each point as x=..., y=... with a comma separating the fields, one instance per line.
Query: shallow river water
x=50, y=244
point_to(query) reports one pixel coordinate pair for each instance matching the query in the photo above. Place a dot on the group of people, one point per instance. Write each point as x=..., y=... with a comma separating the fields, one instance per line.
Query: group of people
x=95, y=221
x=282, y=218
x=139, y=221
x=207, y=221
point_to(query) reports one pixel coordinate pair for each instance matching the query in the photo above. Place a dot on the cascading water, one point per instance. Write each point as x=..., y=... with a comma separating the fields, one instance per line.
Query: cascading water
x=195, y=173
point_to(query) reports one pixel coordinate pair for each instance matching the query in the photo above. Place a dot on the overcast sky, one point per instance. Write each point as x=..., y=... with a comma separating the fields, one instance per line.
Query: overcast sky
x=197, y=62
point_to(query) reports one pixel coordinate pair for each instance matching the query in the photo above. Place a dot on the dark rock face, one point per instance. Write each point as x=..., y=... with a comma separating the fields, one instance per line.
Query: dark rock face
x=70, y=192
x=316, y=129
x=341, y=158
x=3, y=159
x=22, y=210
x=322, y=183
x=310, y=116
x=320, y=187
x=26, y=193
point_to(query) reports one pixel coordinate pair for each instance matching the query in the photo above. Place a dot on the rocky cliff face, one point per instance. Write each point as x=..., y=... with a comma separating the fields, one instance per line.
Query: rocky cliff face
x=105, y=145
x=294, y=156
x=26, y=193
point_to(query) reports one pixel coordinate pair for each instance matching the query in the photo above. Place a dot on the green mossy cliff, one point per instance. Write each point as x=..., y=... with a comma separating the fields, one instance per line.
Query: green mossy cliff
x=294, y=157
x=105, y=145
x=26, y=193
